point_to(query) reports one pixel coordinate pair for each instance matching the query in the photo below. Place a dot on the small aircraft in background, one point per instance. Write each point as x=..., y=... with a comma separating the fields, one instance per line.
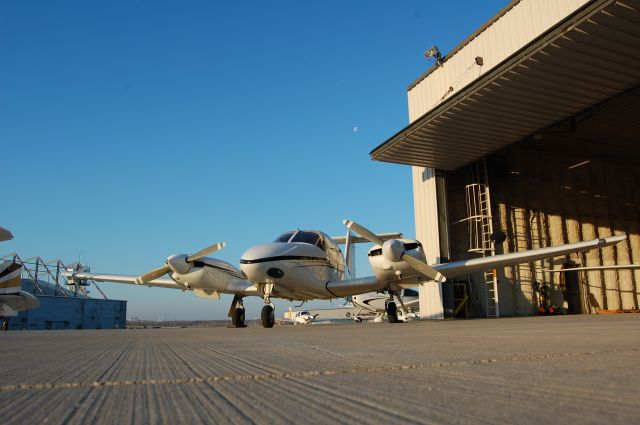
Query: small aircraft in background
x=376, y=302
x=299, y=317
x=303, y=265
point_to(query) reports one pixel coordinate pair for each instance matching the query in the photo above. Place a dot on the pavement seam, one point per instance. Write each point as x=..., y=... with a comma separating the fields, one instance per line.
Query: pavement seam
x=302, y=374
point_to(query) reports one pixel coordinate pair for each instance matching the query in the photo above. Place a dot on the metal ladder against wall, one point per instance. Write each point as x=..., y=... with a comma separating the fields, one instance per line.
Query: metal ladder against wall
x=480, y=230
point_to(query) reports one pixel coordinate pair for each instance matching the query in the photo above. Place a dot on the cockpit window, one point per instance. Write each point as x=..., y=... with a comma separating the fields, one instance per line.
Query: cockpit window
x=308, y=237
x=311, y=238
x=284, y=237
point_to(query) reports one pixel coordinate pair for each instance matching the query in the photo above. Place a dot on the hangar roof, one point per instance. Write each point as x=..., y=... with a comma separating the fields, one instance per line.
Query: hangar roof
x=591, y=56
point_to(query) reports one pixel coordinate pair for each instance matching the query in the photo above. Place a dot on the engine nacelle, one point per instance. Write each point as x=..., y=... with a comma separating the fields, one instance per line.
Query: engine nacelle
x=386, y=261
x=178, y=263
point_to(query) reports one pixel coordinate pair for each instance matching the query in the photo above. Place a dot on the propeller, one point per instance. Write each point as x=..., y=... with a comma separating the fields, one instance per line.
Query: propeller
x=393, y=250
x=160, y=271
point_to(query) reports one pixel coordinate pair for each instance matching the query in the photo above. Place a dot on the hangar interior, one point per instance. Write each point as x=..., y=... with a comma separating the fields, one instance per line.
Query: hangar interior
x=542, y=146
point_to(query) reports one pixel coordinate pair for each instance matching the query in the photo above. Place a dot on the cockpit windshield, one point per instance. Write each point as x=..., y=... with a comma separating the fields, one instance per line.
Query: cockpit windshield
x=312, y=238
x=284, y=237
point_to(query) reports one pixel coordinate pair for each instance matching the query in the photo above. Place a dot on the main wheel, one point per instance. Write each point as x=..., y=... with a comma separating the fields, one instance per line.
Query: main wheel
x=392, y=312
x=267, y=316
x=238, y=317
x=5, y=324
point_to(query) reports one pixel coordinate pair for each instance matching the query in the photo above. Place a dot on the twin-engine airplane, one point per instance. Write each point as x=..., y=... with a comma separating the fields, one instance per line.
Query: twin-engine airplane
x=376, y=302
x=307, y=264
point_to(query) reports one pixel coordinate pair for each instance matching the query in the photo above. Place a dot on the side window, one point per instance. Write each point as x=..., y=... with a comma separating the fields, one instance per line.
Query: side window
x=410, y=292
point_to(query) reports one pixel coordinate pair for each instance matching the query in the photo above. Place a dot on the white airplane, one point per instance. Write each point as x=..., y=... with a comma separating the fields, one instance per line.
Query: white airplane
x=299, y=317
x=12, y=299
x=376, y=302
x=307, y=264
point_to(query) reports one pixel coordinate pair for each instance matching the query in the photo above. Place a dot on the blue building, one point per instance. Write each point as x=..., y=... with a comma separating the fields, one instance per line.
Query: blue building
x=68, y=311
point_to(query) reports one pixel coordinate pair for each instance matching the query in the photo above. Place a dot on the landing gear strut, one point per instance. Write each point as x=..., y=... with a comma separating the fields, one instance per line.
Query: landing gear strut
x=267, y=316
x=237, y=312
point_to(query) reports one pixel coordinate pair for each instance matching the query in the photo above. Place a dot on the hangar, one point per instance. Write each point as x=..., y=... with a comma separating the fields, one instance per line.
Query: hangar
x=530, y=127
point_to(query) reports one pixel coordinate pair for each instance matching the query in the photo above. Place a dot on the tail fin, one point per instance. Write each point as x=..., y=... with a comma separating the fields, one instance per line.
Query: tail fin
x=10, y=275
x=350, y=255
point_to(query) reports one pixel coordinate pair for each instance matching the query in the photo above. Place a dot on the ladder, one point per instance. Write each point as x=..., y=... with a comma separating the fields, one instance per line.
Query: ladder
x=480, y=224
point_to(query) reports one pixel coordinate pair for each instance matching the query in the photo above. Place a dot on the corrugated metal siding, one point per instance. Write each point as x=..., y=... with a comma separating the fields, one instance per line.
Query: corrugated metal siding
x=518, y=27
x=426, y=217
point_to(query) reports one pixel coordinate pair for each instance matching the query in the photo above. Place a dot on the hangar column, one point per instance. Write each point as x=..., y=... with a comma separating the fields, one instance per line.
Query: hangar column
x=425, y=200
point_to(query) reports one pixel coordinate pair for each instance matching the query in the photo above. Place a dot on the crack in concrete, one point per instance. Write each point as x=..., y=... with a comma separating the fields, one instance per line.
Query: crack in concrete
x=301, y=374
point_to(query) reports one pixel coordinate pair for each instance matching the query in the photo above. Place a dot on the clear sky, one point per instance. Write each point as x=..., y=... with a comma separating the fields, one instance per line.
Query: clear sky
x=132, y=130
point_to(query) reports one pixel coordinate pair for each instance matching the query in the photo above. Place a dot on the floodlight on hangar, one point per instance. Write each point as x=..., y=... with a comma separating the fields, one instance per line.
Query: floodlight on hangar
x=433, y=52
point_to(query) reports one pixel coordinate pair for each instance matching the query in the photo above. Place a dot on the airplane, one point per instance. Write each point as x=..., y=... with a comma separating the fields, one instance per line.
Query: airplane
x=303, y=265
x=299, y=317
x=376, y=302
x=12, y=299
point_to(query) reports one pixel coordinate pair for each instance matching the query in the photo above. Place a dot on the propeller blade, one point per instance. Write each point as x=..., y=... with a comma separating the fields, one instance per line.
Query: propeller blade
x=364, y=232
x=153, y=274
x=204, y=252
x=423, y=268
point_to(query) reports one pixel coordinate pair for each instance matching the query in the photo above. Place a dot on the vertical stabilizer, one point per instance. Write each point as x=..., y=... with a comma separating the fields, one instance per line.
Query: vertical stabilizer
x=350, y=255
x=10, y=275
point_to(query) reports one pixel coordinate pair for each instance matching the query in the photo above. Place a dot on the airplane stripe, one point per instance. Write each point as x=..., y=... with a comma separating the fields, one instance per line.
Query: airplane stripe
x=281, y=258
x=10, y=283
x=10, y=269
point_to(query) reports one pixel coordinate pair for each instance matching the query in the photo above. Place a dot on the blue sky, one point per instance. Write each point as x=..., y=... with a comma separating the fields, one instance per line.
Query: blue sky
x=133, y=130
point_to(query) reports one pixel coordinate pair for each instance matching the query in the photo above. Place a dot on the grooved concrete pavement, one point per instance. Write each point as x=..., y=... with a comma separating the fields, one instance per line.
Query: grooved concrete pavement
x=574, y=369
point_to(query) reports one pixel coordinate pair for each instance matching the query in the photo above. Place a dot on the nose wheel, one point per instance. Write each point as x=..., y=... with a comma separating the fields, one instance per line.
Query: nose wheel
x=267, y=316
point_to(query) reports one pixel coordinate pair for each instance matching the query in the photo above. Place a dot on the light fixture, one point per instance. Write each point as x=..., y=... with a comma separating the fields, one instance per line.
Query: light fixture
x=433, y=52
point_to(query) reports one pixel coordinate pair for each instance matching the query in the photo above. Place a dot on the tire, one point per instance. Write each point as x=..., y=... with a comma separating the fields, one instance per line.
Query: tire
x=238, y=317
x=392, y=312
x=267, y=316
x=5, y=324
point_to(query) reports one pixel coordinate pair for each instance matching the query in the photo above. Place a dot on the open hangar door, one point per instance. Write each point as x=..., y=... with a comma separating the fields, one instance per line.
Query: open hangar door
x=543, y=145
x=575, y=180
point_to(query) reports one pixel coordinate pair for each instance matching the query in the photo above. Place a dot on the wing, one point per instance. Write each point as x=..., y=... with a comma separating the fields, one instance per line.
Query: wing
x=475, y=265
x=343, y=288
x=19, y=301
x=162, y=282
x=595, y=268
